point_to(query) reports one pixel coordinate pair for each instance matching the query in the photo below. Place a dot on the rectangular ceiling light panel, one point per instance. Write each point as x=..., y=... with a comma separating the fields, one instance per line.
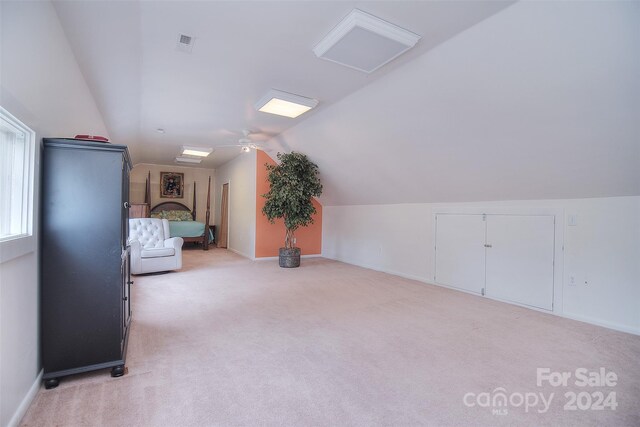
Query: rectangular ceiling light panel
x=196, y=151
x=365, y=42
x=285, y=104
x=188, y=160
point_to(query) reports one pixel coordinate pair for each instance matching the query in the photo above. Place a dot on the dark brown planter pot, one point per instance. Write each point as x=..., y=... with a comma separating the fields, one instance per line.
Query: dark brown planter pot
x=289, y=258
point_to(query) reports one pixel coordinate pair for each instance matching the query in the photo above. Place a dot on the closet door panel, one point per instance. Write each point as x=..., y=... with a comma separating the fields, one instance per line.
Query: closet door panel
x=519, y=263
x=460, y=251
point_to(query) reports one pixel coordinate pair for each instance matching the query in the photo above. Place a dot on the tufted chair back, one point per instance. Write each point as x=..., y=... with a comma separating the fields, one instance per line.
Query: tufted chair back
x=150, y=232
x=151, y=248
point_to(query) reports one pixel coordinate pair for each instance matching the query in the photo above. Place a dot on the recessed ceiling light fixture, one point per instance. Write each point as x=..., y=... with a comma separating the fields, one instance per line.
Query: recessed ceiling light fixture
x=365, y=42
x=285, y=104
x=196, y=151
x=180, y=159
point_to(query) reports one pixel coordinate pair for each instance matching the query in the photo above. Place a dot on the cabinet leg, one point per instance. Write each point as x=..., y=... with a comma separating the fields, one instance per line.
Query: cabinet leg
x=51, y=383
x=117, y=371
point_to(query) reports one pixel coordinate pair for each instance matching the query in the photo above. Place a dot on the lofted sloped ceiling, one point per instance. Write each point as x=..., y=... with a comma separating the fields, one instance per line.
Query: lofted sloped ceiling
x=498, y=101
x=540, y=101
x=127, y=52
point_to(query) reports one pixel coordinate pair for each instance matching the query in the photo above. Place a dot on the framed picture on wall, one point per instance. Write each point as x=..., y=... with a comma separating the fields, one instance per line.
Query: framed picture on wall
x=172, y=185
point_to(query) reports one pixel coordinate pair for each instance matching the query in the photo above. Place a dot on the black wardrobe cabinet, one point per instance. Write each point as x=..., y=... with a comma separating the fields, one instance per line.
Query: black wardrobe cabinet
x=85, y=307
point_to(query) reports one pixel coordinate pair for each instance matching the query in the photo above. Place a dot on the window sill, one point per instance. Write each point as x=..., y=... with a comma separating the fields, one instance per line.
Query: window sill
x=15, y=248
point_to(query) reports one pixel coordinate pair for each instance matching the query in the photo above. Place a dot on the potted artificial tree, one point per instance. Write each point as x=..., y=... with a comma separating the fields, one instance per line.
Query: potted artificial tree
x=294, y=181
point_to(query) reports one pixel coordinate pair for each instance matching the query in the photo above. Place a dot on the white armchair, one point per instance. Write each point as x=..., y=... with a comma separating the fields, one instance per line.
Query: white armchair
x=152, y=249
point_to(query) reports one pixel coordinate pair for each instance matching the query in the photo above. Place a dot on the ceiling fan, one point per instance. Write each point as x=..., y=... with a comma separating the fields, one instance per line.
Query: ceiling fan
x=245, y=143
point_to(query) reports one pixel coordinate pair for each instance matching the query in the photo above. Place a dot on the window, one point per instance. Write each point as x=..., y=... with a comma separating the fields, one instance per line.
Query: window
x=17, y=149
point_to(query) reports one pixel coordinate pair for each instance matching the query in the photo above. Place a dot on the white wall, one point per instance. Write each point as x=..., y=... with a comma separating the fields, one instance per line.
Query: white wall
x=41, y=85
x=603, y=249
x=391, y=238
x=240, y=173
x=201, y=176
x=603, y=254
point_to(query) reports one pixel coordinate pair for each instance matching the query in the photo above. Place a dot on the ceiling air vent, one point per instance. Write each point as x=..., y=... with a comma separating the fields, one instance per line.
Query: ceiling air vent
x=185, y=43
x=365, y=42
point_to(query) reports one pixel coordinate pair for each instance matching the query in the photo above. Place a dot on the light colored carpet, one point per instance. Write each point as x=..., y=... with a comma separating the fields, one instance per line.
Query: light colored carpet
x=228, y=341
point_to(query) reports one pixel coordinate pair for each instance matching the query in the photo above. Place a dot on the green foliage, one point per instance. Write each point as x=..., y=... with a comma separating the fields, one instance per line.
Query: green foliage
x=294, y=181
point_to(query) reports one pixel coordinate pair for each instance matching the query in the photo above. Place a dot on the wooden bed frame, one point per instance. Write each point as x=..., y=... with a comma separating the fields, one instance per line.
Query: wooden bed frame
x=176, y=206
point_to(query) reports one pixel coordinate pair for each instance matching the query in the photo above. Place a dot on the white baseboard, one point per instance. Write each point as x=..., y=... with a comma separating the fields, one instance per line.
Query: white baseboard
x=408, y=276
x=26, y=402
x=597, y=322
x=240, y=253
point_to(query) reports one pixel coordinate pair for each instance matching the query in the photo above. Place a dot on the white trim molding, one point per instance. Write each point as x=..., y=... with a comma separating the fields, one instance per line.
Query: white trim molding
x=26, y=402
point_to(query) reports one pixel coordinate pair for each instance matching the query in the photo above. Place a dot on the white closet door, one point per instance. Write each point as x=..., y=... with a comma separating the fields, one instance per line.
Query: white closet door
x=520, y=259
x=460, y=251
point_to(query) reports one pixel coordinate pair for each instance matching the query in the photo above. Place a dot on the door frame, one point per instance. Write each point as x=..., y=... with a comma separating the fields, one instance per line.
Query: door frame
x=228, y=184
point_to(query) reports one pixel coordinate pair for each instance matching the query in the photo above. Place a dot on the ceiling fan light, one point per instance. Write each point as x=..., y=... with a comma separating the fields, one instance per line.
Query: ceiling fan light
x=246, y=149
x=285, y=104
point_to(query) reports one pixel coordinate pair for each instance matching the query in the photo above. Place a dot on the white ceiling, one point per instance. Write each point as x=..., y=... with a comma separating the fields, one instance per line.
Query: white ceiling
x=127, y=53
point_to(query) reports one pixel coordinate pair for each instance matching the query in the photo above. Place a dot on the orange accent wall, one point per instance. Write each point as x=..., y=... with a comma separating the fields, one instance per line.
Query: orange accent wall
x=270, y=237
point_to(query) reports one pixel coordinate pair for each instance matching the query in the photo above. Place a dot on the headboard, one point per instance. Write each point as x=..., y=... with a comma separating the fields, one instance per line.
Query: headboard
x=173, y=206
x=176, y=206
